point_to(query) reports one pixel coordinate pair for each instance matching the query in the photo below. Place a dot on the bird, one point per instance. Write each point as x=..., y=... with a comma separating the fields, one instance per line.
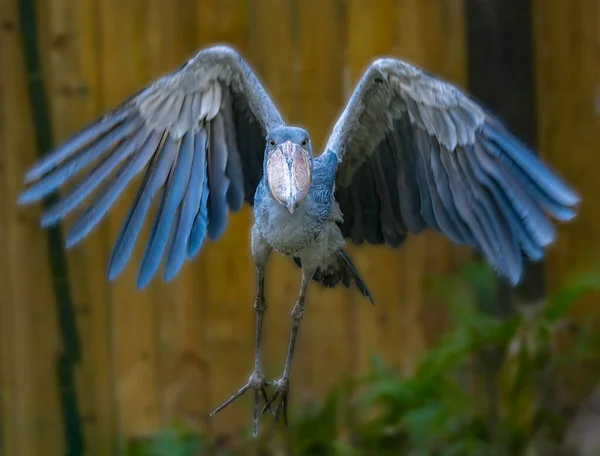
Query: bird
x=409, y=152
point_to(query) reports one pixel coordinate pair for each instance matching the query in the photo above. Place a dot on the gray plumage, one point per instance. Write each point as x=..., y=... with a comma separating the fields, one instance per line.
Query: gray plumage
x=409, y=152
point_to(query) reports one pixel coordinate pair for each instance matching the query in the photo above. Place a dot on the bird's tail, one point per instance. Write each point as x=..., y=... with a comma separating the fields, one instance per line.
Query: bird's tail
x=342, y=270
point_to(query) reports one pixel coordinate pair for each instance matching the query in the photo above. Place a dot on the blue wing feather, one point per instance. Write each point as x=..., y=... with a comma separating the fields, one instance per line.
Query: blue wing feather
x=198, y=233
x=60, y=175
x=73, y=145
x=156, y=175
x=173, y=193
x=189, y=208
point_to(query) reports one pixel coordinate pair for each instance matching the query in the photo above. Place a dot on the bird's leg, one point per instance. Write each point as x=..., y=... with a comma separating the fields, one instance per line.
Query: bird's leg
x=283, y=384
x=257, y=380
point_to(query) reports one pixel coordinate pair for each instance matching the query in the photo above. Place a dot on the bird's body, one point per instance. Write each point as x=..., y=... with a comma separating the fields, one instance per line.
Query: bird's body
x=292, y=232
x=311, y=233
x=409, y=152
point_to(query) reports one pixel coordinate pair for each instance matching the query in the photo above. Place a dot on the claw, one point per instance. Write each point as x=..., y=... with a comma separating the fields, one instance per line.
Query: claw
x=282, y=391
x=257, y=383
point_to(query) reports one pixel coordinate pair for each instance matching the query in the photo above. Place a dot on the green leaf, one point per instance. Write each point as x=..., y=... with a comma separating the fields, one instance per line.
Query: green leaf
x=560, y=303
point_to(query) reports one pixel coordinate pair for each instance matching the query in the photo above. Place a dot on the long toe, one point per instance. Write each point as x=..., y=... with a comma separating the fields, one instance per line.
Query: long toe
x=258, y=384
x=281, y=392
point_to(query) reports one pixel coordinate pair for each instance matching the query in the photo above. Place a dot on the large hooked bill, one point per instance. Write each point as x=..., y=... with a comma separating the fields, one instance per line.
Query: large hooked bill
x=289, y=174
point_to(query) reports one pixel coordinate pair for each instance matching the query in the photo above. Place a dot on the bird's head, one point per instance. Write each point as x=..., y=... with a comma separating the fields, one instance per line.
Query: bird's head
x=288, y=165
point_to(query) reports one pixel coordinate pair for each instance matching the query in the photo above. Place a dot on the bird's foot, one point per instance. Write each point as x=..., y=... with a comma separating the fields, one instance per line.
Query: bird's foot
x=281, y=392
x=257, y=383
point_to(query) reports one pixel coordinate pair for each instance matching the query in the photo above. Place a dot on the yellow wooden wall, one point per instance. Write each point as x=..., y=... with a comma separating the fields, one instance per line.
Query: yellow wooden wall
x=175, y=351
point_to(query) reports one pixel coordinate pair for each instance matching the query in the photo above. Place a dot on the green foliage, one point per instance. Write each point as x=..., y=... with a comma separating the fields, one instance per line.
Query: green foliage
x=489, y=388
x=172, y=441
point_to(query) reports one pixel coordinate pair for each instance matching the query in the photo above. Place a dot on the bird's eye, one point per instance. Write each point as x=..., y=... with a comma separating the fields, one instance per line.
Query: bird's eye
x=271, y=142
x=304, y=142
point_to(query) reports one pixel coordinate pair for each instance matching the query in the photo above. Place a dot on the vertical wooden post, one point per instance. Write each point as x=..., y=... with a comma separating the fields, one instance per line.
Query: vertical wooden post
x=70, y=352
x=501, y=75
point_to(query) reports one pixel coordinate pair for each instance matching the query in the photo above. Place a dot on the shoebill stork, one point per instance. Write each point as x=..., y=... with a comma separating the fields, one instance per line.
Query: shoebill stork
x=409, y=152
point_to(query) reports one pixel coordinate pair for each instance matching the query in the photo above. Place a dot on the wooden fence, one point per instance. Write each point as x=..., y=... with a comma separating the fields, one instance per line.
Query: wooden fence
x=174, y=351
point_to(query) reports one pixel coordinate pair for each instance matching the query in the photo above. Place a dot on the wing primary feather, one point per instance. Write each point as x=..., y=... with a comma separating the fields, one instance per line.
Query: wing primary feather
x=444, y=221
x=534, y=219
x=217, y=180
x=188, y=209
x=155, y=176
x=91, y=133
x=198, y=234
x=171, y=269
x=443, y=190
x=146, y=270
x=465, y=206
x=173, y=193
x=95, y=178
x=544, y=200
x=189, y=206
x=531, y=165
x=97, y=210
x=58, y=176
x=506, y=250
x=533, y=251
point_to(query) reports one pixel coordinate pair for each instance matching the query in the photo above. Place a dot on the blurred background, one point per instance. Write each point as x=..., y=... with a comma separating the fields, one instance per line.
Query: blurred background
x=448, y=362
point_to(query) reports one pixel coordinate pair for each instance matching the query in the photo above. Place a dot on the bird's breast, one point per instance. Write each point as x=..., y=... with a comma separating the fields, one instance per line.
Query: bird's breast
x=287, y=233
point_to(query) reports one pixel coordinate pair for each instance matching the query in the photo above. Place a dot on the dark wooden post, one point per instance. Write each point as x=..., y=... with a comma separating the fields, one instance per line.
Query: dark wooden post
x=501, y=75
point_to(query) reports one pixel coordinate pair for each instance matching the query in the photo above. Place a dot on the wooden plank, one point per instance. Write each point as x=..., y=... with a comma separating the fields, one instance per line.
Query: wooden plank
x=31, y=415
x=567, y=68
x=321, y=61
x=133, y=317
x=72, y=70
x=12, y=441
x=6, y=441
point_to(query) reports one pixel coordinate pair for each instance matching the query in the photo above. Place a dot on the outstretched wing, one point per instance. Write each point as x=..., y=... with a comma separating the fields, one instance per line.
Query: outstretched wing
x=198, y=135
x=416, y=153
